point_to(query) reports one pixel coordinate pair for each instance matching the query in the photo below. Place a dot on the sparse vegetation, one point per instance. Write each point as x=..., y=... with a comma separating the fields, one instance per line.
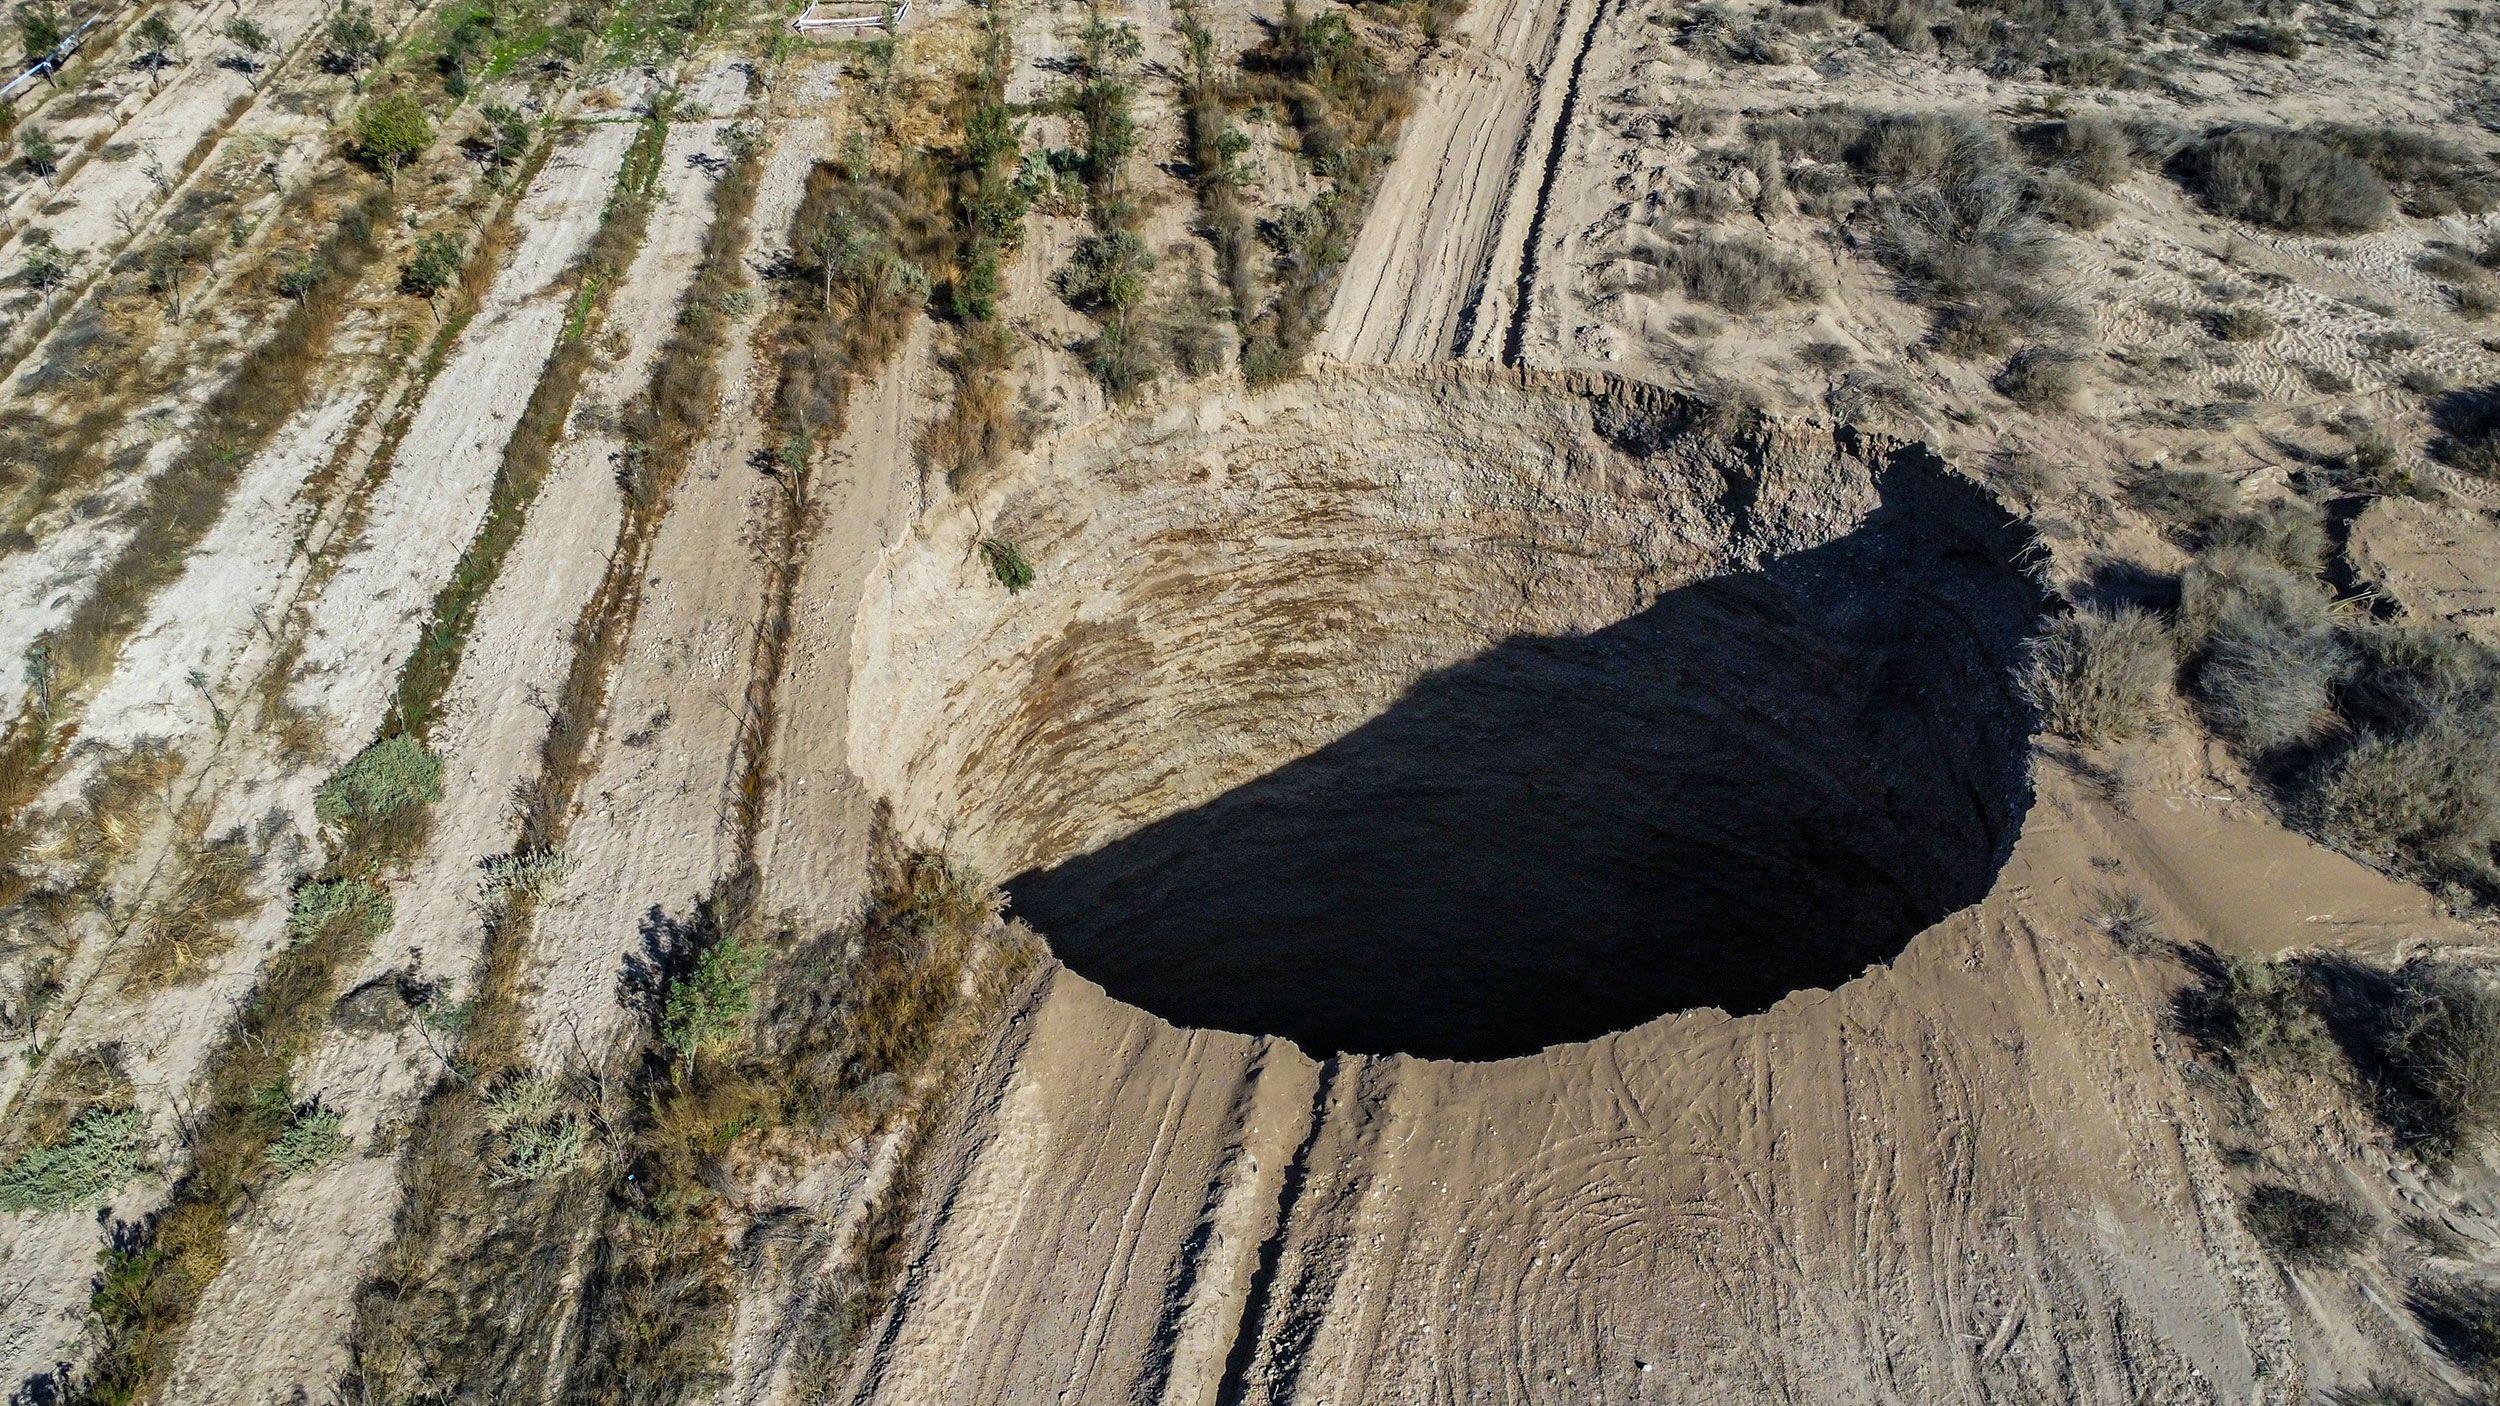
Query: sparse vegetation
x=384, y=781
x=2100, y=677
x=191, y=921
x=2264, y=655
x=2437, y=1044
x=2462, y=1316
x=1738, y=273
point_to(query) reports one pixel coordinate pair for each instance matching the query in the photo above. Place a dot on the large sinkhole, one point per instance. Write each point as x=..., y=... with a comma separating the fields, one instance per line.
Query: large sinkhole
x=1462, y=716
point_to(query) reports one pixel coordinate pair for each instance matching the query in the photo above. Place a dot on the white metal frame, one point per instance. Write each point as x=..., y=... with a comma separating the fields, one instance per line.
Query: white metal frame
x=812, y=21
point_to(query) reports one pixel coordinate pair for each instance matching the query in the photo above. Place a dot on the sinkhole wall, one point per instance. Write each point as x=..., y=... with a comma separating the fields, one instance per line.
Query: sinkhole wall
x=1460, y=713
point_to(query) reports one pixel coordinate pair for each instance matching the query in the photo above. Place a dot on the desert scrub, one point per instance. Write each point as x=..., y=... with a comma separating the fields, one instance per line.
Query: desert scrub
x=1008, y=564
x=2418, y=786
x=2100, y=677
x=2259, y=1014
x=1958, y=222
x=2284, y=180
x=708, y=1003
x=2310, y=1231
x=2264, y=653
x=531, y=874
x=1739, y=273
x=534, y=1132
x=2437, y=1047
x=332, y=908
x=312, y=1140
x=2042, y=377
x=101, y=1152
x=2462, y=1316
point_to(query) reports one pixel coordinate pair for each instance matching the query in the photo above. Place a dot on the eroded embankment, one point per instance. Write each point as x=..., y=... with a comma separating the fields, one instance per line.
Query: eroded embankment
x=1461, y=714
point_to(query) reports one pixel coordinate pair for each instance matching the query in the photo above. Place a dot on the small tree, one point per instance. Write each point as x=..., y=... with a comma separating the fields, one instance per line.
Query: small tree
x=250, y=40
x=43, y=155
x=157, y=42
x=435, y=266
x=41, y=27
x=351, y=43
x=393, y=131
x=46, y=267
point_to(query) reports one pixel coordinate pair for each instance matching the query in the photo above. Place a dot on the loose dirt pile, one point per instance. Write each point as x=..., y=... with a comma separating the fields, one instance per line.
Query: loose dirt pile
x=1459, y=716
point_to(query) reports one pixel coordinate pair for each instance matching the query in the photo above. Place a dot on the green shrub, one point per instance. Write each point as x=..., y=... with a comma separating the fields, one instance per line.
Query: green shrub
x=339, y=908
x=383, y=780
x=1008, y=564
x=1107, y=273
x=311, y=1141
x=2101, y=677
x=535, y=1134
x=2285, y=180
x=100, y=1153
x=2303, y=1229
x=532, y=874
x=706, y=1006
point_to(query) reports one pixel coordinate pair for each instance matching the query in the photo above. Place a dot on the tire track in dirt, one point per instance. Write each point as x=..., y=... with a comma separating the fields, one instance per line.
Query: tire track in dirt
x=1432, y=267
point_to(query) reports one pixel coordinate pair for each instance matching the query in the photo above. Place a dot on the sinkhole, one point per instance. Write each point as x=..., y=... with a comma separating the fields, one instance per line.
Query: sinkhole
x=1462, y=716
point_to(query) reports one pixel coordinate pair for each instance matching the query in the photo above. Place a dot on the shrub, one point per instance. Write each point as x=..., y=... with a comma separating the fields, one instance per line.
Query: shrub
x=99, y=1153
x=41, y=26
x=392, y=131
x=2279, y=41
x=2093, y=148
x=2430, y=175
x=2265, y=655
x=2069, y=202
x=2042, y=378
x=434, y=267
x=2438, y=1046
x=298, y=276
x=2463, y=1317
x=2303, y=1229
x=1740, y=273
x=531, y=874
x=382, y=781
x=156, y=42
x=2282, y=179
x=248, y=37
x=2128, y=922
x=1008, y=564
x=1108, y=272
x=2188, y=503
x=534, y=1134
x=2260, y=1014
x=2241, y=323
x=2288, y=532
x=334, y=908
x=2419, y=788
x=707, y=1005
x=2101, y=677
x=311, y=1141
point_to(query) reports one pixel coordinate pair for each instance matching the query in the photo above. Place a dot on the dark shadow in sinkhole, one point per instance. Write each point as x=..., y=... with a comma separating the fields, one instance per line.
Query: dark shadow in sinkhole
x=1762, y=783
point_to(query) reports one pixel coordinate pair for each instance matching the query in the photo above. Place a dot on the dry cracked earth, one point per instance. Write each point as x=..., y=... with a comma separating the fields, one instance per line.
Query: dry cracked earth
x=1527, y=701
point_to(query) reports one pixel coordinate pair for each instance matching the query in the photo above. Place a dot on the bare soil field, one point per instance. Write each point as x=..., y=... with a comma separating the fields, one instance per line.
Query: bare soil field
x=1396, y=701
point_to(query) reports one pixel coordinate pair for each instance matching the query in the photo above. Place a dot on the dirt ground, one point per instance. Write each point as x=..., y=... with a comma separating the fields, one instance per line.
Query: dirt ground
x=1548, y=885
